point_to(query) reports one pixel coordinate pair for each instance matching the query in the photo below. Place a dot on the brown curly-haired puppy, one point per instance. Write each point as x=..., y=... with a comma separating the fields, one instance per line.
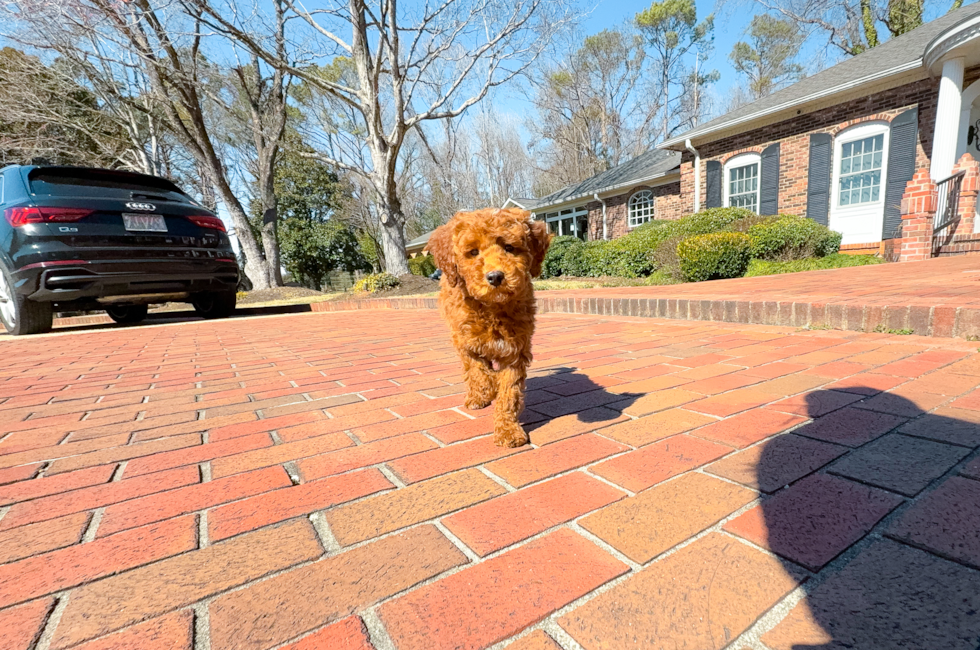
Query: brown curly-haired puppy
x=488, y=258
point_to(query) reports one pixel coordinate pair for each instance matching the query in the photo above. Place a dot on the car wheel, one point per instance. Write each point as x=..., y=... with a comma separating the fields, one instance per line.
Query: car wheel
x=127, y=313
x=215, y=305
x=19, y=315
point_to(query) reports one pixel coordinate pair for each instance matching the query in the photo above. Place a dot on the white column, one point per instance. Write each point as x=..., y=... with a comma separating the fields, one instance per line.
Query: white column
x=946, y=134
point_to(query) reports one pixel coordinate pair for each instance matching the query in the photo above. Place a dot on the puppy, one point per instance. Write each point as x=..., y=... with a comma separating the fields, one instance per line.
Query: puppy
x=488, y=258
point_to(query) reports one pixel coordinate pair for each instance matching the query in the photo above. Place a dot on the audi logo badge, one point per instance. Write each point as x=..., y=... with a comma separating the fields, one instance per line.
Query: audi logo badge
x=144, y=207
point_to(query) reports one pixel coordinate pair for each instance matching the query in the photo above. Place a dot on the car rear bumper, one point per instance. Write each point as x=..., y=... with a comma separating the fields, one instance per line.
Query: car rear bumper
x=141, y=280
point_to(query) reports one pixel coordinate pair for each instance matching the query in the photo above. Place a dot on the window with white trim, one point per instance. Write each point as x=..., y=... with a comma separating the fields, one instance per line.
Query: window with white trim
x=742, y=182
x=569, y=222
x=641, y=208
x=859, y=170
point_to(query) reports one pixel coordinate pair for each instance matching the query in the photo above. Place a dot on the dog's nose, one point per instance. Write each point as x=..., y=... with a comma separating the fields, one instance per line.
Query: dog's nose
x=495, y=278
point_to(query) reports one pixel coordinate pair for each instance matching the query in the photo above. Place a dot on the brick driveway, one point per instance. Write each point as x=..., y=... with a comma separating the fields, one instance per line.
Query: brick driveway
x=311, y=482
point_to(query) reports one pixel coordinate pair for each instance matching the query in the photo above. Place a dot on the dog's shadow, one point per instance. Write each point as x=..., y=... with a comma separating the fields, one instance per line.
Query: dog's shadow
x=563, y=392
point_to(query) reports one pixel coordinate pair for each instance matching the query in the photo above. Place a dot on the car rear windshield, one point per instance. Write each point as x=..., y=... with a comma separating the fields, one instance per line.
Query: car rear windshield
x=97, y=183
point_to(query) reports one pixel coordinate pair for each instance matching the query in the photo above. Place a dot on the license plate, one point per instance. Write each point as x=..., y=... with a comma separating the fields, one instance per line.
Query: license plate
x=144, y=222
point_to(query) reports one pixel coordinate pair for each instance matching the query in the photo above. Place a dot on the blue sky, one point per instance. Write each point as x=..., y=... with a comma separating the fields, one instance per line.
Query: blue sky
x=731, y=22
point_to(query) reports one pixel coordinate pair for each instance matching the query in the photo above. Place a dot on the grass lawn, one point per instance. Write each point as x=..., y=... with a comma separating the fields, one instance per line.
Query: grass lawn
x=836, y=261
x=564, y=283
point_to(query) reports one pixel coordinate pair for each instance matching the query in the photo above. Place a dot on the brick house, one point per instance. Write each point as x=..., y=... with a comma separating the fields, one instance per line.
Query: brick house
x=609, y=204
x=838, y=147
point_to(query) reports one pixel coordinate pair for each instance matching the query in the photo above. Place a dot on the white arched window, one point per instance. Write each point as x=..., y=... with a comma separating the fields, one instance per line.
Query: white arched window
x=857, y=206
x=742, y=181
x=640, y=208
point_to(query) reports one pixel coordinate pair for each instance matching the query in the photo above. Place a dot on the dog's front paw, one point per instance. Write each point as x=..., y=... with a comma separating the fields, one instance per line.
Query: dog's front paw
x=510, y=434
x=475, y=401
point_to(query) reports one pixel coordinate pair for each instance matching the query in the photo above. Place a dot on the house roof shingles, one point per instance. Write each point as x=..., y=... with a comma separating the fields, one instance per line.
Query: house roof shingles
x=647, y=166
x=898, y=54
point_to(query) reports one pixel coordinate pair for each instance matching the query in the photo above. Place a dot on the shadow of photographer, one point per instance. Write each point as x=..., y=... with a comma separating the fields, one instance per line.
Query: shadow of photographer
x=885, y=516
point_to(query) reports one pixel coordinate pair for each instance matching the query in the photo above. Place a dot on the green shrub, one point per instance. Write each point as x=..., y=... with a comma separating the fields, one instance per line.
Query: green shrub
x=700, y=223
x=424, y=265
x=653, y=246
x=714, y=256
x=665, y=258
x=713, y=220
x=831, y=244
x=743, y=224
x=625, y=257
x=658, y=239
x=792, y=238
x=375, y=282
x=832, y=261
x=564, y=258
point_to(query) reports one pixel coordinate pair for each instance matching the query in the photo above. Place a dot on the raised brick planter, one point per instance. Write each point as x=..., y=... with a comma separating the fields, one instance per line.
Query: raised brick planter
x=945, y=321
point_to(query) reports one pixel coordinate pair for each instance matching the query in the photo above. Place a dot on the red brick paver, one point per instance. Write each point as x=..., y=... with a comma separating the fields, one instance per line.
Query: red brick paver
x=487, y=603
x=310, y=481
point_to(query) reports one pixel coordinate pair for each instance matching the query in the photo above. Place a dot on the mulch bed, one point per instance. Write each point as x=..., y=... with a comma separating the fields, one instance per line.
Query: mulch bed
x=276, y=293
x=409, y=285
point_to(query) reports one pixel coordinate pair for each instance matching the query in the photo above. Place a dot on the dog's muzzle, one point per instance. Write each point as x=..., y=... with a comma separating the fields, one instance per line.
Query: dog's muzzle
x=495, y=278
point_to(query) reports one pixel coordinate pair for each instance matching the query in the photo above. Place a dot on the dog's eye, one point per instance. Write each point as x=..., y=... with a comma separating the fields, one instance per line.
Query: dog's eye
x=508, y=248
x=475, y=252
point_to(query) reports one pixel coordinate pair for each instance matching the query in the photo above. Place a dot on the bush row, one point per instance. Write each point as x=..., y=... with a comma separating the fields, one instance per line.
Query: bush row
x=424, y=265
x=714, y=243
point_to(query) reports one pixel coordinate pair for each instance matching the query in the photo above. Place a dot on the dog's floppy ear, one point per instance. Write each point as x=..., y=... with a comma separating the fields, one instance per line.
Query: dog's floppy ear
x=441, y=246
x=539, y=240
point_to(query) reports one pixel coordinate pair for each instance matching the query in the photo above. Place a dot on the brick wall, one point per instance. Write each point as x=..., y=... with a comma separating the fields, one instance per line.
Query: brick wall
x=918, y=210
x=793, y=136
x=667, y=201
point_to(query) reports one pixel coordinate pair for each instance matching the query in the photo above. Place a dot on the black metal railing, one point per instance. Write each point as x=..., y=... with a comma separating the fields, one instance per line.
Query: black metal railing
x=947, y=210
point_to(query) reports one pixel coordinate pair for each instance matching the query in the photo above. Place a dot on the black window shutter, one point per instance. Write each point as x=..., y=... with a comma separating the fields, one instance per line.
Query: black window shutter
x=769, y=181
x=818, y=177
x=713, y=171
x=901, y=169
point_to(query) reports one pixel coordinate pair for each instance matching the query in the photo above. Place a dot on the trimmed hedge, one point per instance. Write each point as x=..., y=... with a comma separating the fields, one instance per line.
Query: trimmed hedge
x=792, y=238
x=655, y=246
x=624, y=257
x=714, y=256
x=565, y=257
x=424, y=265
x=376, y=282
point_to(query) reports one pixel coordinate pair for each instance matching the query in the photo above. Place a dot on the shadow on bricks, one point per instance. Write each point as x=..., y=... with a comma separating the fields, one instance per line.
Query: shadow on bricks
x=875, y=508
x=572, y=401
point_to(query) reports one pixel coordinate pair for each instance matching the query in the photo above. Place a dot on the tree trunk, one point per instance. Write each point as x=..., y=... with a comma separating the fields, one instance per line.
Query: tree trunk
x=393, y=243
x=255, y=266
x=270, y=217
x=270, y=242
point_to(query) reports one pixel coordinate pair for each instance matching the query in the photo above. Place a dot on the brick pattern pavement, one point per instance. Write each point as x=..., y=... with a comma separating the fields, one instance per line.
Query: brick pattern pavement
x=312, y=481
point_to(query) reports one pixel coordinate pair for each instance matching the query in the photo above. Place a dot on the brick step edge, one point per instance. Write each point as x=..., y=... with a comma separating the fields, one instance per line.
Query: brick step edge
x=937, y=321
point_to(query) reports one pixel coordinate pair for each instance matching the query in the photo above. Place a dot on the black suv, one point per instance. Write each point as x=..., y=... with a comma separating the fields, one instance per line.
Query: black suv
x=76, y=239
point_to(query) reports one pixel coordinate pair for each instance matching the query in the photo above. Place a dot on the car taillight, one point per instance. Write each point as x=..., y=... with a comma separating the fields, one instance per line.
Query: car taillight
x=207, y=221
x=17, y=217
x=44, y=265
